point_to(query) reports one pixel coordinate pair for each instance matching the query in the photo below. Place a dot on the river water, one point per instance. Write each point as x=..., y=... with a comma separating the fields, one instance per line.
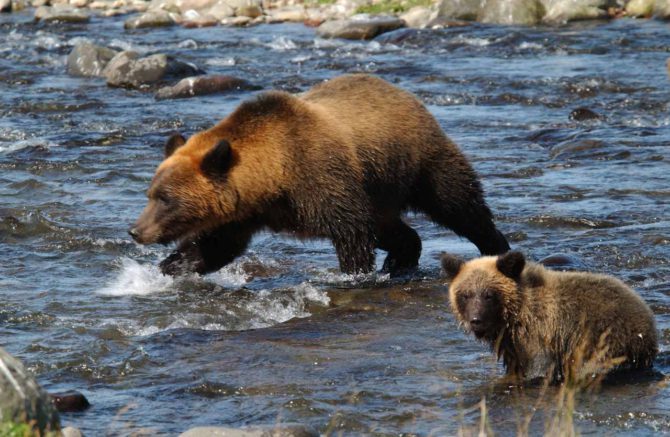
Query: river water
x=279, y=335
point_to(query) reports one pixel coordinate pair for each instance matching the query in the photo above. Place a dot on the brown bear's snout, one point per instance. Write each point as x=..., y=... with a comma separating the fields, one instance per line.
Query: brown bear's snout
x=133, y=232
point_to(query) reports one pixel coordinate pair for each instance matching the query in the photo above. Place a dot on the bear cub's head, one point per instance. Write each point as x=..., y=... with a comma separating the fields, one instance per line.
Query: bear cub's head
x=188, y=194
x=484, y=293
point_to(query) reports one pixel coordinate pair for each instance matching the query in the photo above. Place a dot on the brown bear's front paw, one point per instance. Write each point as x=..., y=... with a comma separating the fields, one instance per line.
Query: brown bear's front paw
x=177, y=264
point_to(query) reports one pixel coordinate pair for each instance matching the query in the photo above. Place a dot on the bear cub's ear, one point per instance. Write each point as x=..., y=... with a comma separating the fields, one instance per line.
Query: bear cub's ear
x=217, y=160
x=451, y=265
x=511, y=264
x=175, y=141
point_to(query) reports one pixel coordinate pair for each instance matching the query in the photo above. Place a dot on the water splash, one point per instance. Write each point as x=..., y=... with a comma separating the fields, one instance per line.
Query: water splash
x=137, y=279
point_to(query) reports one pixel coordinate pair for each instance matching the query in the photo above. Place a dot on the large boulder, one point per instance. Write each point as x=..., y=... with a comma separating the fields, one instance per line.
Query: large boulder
x=511, y=12
x=21, y=398
x=202, y=85
x=563, y=11
x=278, y=430
x=152, y=18
x=88, y=60
x=359, y=27
x=128, y=70
x=459, y=9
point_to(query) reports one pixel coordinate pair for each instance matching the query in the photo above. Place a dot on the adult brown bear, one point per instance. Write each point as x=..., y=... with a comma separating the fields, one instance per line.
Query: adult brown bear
x=342, y=161
x=544, y=323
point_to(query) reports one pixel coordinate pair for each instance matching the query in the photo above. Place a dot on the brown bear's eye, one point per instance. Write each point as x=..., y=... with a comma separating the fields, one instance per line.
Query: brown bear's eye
x=163, y=198
x=488, y=295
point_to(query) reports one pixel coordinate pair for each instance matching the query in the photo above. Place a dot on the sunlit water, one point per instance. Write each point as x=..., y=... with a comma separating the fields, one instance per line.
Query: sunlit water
x=280, y=335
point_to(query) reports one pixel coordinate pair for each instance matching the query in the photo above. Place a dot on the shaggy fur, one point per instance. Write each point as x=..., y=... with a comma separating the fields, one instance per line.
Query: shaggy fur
x=343, y=161
x=542, y=322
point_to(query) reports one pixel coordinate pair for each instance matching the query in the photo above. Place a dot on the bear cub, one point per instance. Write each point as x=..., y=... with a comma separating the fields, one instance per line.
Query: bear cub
x=342, y=161
x=545, y=323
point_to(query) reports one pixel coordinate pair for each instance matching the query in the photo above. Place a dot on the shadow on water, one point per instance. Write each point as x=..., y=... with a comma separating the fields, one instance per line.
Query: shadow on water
x=280, y=335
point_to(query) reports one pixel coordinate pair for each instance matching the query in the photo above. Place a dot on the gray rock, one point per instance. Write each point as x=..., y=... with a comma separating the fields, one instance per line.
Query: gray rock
x=202, y=85
x=196, y=5
x=69, y=431
x=61, y=13
x=128, y=70
x=418, y=17
x=359, y=27
x=152, y=18
x=22, y=399
x=640, y=8
x=459, y=9
x=220, y=10
x=279, y=430
x=88, y=60
x=5, y=5
x=511, y=12
x=249, y=11
x=563, y=11
x=236, y=4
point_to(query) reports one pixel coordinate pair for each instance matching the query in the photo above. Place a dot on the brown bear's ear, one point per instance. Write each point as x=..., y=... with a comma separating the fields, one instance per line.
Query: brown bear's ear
x=217, y=160
x=173, y=143
x=511, y=264
x=451, y=265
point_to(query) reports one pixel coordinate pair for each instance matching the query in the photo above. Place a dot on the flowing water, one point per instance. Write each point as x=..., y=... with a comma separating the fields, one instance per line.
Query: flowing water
x=279, y=335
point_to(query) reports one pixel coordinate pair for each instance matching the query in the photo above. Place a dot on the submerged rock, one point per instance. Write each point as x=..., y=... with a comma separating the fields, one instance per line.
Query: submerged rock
x=563, y=262
x=359, y=27
x=128, y=70
x=278, y=430
x=70, y=401
x=88, y=59
x=584, y=114
x=511, y=12
x=202, y=85
x=61, y=13
x=22, y=399
x=153, y=18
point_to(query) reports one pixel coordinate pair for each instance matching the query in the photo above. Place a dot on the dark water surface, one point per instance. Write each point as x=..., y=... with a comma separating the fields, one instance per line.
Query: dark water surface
x=280, y=335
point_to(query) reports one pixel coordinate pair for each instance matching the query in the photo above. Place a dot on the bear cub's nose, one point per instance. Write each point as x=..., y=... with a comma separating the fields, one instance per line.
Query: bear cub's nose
x=134, y=233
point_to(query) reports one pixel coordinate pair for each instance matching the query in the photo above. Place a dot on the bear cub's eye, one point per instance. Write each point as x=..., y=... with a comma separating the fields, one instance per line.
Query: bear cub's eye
x=488, y=295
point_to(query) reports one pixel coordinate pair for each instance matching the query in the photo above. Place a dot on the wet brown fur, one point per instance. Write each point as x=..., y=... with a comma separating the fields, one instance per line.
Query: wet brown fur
x=552, y=320
x=343, y=161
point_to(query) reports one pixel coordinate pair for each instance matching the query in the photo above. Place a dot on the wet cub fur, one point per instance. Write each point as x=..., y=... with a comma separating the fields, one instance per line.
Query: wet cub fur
x=544, y=323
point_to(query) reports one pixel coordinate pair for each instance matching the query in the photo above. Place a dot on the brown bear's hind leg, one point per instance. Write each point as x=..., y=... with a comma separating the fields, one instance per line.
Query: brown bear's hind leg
x=402, y=244
x=208, y=252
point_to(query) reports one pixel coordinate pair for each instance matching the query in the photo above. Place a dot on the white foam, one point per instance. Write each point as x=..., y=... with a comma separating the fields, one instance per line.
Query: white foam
x=18, y=145
x=476, y=42
x=221, y=62
x=282, y=44
x=136, y=279
x=231, y=276
x=271, y=307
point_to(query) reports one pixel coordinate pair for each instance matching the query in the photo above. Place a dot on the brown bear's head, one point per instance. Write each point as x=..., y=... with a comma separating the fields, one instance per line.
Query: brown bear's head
x=485, y=292
x=190, y=192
